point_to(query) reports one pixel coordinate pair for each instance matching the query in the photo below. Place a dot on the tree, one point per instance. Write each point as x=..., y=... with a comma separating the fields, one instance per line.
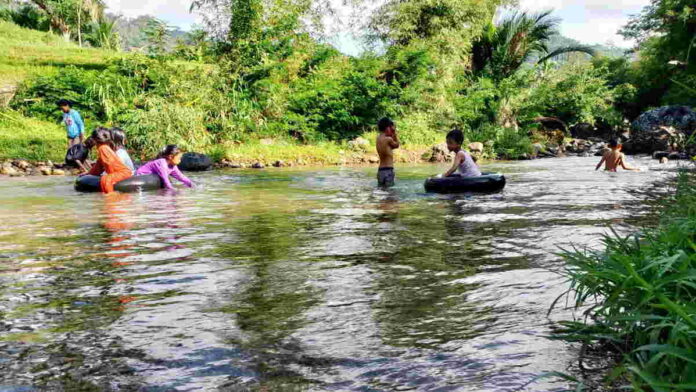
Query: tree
x=67, y=16
x=103, y=35
x=156, y=34
x=666, y=36
x=501, y=50
x=450, y=25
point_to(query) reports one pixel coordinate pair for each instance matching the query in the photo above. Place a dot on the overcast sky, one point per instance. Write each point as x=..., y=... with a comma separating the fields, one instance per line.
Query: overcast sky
x=588, y=21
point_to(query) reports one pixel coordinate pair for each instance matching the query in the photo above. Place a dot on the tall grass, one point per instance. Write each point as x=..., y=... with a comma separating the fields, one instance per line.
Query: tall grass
x=641, y=293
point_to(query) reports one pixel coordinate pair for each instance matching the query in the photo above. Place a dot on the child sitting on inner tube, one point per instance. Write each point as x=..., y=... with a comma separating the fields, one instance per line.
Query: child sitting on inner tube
x=107, y=161
x=118, y=138
x=166, y=165
x=464, y=164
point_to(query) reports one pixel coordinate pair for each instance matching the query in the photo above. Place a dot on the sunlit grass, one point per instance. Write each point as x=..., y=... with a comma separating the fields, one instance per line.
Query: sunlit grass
x=29, y=138
x=25, y=52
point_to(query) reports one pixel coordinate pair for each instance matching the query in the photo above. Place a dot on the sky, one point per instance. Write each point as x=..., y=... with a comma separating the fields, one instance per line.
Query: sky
x=588, y=21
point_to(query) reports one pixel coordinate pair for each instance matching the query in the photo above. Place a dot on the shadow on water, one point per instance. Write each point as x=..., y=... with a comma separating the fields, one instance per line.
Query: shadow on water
x=307, y=280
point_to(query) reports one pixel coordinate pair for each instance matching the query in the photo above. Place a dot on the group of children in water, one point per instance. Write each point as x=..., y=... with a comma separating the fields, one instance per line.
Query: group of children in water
x=113, y=163
x=464, y=164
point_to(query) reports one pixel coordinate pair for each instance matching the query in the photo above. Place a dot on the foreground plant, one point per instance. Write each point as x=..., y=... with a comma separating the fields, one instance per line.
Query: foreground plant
x=640, y=298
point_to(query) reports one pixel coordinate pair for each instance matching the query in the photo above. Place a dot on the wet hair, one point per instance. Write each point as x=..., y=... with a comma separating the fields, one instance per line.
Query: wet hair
x=118, y=138
x=613, y=143
x=64, y=102
x=456, y=136
x=169, y=150
x=101, y=135
x=384, y=123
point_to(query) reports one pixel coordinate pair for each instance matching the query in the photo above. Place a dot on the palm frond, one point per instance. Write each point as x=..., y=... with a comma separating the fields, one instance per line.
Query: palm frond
x=568, y=49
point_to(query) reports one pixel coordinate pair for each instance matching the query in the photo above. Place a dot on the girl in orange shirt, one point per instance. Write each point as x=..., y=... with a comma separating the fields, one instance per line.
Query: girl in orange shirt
x=107, y=161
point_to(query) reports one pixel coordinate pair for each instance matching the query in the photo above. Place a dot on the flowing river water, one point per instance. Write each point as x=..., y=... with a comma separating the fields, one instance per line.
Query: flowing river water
x=301, y=279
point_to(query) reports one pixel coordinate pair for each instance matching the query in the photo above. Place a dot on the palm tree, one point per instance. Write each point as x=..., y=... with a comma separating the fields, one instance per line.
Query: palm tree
x=103, y=34
x=502, y=49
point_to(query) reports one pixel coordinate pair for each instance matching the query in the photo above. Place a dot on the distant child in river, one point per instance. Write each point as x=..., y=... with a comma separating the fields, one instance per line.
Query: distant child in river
x=166, y=165
x=464, y=164
x=387, y=142
x=72, y=120
x=118, y=138
x=614, y=158
x=107, y=161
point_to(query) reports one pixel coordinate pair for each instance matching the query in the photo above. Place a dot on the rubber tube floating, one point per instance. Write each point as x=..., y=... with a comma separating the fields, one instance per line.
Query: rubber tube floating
x=486, y=183
x=145, y=182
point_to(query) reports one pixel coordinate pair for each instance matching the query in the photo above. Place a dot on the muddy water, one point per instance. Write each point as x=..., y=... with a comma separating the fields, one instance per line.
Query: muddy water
x=300, y=280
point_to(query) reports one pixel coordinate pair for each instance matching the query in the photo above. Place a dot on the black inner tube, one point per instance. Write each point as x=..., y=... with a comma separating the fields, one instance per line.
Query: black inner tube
x=488, y=182
x=145, y=182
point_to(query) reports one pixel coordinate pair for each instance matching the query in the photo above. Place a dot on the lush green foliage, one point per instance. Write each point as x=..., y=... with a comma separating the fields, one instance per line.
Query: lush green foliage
x=642, y=297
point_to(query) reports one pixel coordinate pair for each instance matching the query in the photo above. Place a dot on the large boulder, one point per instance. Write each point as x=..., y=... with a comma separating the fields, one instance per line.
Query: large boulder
x=583, y=131
x=656, y=129
x=192, y=161
x=440, y=153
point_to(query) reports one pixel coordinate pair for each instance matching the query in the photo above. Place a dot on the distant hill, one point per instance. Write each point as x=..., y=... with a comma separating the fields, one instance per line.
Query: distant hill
x=558, y=41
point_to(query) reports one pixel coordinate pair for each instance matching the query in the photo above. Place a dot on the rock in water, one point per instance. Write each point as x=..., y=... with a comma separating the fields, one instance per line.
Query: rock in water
x=660, y=154
x=192, y=161
x=440, y=153
x=583, y=131
x=258, y=165
x=656, y=129
x=476, y=147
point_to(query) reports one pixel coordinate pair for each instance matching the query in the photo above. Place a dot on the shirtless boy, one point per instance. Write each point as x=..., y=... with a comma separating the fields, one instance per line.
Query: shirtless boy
x=387, y=141
x=614, y=158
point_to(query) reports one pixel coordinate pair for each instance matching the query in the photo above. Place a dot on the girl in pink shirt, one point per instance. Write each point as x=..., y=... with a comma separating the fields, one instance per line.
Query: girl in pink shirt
x=166, y=165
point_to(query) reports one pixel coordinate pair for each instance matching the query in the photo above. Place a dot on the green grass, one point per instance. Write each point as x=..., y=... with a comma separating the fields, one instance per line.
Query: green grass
x=641, y=293
x=32, y=139
x=25, y=52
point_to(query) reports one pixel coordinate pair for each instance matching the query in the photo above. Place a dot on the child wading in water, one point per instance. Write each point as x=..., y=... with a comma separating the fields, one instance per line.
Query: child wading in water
x=118, y=138
x=614, y=158
x=166, y=165
x=72, y=120
x=107, y=161
x=464, y=164
x=387, y=142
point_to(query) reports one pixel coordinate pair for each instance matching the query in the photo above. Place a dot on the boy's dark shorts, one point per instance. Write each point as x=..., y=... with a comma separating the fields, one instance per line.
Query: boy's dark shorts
x=385, y=176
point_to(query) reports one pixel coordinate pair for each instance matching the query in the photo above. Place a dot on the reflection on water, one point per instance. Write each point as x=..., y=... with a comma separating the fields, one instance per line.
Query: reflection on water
x=299, y=280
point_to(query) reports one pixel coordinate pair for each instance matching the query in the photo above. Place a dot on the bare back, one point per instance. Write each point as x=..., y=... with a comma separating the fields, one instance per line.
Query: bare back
x=612, y=160
x=385, y=150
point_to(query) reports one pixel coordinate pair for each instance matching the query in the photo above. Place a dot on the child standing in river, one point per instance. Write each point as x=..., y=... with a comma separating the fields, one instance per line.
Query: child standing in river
x=614, y=158
x=387, y=142
x=72, y=120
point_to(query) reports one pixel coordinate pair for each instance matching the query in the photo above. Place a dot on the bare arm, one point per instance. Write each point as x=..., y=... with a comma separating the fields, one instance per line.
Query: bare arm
x=394, y=141
x=604, y=158
x=455, y=164
x=623, y=164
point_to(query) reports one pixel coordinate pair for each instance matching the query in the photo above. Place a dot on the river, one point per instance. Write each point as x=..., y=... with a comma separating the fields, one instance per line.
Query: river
x=301, y=279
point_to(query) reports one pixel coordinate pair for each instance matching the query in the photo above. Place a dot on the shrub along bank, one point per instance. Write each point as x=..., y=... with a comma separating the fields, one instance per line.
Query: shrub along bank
x=640, y=296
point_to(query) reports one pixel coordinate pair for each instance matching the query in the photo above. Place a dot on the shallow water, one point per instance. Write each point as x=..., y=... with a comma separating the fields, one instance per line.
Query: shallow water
x=308, y=280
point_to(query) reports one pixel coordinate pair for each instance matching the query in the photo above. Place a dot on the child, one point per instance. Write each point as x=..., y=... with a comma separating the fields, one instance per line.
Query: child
x=118, y=138
x=166, y=165
x=72, y=120
x=107, y=161
x=387, y=142
x=464, y=163
x=614, y=158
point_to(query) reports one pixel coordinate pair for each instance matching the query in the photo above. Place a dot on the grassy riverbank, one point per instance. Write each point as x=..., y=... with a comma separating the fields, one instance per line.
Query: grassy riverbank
x=641, y=293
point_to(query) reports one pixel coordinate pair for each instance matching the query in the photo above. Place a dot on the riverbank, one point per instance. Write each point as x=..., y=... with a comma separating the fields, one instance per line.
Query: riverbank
x=638, y=295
